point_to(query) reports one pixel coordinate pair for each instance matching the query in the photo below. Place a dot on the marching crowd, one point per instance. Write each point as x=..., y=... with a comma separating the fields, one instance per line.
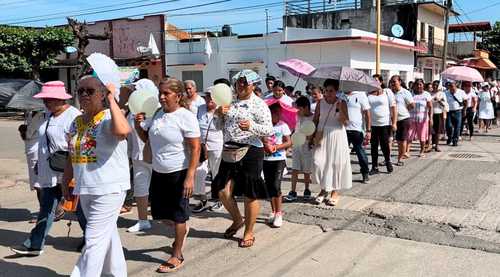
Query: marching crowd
x=242, y=148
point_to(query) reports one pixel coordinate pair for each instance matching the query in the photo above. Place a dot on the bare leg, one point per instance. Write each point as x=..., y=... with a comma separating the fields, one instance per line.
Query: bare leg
x=251, y=211
x=142, y=207
x=295, y=177
x=401, y=149
x=335, y=195
x=180, y=233
x=276, y=203
x=229, y=203
x=307, y=180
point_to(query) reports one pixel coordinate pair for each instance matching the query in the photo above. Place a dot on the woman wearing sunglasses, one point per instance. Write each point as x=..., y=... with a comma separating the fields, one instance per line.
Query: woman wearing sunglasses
x=245, y=122
x=99, y=164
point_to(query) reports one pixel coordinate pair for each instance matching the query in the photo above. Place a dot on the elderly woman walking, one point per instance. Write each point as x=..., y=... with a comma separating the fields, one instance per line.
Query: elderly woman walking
x=174, y=136
x=99, y=164
x=52, y=153
x=331, y=158
x=244, y=122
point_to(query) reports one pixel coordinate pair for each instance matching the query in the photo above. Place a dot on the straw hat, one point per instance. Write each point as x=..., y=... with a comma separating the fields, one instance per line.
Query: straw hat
x=53, y=89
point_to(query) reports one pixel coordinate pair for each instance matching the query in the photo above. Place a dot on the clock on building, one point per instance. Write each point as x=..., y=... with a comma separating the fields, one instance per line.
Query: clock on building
x=397, y=30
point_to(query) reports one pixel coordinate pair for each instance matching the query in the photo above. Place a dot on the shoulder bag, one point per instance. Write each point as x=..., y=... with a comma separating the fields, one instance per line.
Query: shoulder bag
x=318, y=136
x=57, y=160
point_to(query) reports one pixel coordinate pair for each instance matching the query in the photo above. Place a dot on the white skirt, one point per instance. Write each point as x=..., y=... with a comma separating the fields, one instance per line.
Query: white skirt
x=332, y=161
x=486, y=110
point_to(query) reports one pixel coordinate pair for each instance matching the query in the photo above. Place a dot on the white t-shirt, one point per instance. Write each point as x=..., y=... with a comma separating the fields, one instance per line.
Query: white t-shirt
x=166, y=135
x=452, y=103
x=135, y=144
x=469, y=97
x=357, y=103
x=215, y=138
x=196, y=103
x=33, y=123
x=57, y=132
x=380, y=107
x=403, y=99
x=279, y=131
x=99, y=158
x=284, y=99
x=420, y=113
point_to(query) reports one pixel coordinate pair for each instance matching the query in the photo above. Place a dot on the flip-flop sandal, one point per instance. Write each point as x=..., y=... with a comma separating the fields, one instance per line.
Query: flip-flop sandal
x=319, y=199
x=400, y=163
x=230, y=232
x=167, y=267
x=246, y=243
x=331, y=202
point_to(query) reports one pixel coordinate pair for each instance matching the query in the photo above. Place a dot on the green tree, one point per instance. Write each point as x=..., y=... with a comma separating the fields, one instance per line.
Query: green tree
x=26, y=51
x=491, y=42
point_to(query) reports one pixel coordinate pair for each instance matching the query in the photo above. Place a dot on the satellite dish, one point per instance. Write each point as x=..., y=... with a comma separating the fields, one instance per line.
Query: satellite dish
x=397, y=30
x=70, y=49
x=143, y=50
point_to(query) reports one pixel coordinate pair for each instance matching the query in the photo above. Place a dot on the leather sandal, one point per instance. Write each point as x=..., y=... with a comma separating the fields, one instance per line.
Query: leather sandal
x=168, y=267
x=230, y=232
x=246, y=243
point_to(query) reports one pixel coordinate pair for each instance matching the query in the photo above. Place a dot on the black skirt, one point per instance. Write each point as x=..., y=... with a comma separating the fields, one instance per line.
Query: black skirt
x=167, y=201
x=246, y=175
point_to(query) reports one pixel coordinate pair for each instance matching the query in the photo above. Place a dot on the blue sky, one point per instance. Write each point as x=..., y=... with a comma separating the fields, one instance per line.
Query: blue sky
x=14, y=11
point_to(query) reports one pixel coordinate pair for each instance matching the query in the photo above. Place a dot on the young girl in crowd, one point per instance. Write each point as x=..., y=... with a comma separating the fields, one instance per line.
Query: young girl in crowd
x=302, y=154
x=275, y=147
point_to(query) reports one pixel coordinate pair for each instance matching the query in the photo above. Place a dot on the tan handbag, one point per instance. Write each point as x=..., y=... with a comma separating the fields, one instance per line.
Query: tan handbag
x=318, y=135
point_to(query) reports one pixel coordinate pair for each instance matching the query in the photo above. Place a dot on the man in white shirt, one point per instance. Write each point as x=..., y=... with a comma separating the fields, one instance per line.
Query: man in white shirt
x=404, y=103
x=358, y=109
x=195, y=101
x=471, y=108
x=457, y=102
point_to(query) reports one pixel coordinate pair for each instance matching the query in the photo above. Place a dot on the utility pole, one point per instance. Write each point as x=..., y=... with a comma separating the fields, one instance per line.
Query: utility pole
x=446, y=27
x=377, y=47
x=267, y=46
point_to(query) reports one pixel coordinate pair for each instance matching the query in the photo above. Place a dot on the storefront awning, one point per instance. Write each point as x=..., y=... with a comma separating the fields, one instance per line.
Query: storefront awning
x=479, y=63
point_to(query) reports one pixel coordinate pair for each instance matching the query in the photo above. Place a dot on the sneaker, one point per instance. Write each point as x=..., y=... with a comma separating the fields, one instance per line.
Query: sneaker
x=23, y=250
x=217, y=206
x=291, y=196
x=201, y=207
x=307, y=194
x=141, y=225
x=278, y=220
x=374, y=171
x=366, y=179
x=271, y=217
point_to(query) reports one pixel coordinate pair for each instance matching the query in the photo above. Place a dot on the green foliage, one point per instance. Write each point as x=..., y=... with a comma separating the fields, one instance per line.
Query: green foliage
x=27, y=50
x=491, y=42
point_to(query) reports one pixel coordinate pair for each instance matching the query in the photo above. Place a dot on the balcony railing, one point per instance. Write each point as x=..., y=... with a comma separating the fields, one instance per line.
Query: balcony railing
x=435, y=48
x=295, y=7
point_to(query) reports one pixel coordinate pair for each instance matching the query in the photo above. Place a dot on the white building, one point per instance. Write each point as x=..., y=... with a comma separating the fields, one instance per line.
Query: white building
x=350, y=47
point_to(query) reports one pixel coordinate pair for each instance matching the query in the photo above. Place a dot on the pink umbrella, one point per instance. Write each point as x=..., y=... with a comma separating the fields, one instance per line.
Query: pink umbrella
x=288, y=113
x=296, y=67
x=462, y=73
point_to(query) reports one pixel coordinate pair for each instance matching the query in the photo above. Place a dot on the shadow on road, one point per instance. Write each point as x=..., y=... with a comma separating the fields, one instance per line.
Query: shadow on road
x=14, y=215
x=15, y=269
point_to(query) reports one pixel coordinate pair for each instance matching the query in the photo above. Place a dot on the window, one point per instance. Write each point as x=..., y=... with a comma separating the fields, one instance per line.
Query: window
x=403, y=75
x=366, y=71
x=385, y=76
x=428, y=75
x=196, y=76
x=422, y=31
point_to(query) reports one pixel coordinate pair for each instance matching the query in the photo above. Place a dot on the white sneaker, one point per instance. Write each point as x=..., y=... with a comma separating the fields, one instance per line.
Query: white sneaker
x=278, y=220
x=270, y=219
x=141, y=225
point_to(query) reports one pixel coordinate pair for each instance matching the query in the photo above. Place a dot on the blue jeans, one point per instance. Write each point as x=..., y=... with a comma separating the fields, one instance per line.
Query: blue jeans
x=453, y=125
x=48, y=204
x=356, y=138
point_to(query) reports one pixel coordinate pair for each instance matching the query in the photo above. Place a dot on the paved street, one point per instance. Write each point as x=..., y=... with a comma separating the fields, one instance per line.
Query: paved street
x=436, y=216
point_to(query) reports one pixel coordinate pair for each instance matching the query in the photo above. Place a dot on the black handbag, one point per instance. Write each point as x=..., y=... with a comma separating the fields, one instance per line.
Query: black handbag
x=57, y=160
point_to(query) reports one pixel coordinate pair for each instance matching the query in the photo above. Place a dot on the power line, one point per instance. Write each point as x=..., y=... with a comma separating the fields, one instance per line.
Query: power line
x=483, y=8
x=232, y=24
x=80, y=10
x=126, y=8
x=253, y=7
